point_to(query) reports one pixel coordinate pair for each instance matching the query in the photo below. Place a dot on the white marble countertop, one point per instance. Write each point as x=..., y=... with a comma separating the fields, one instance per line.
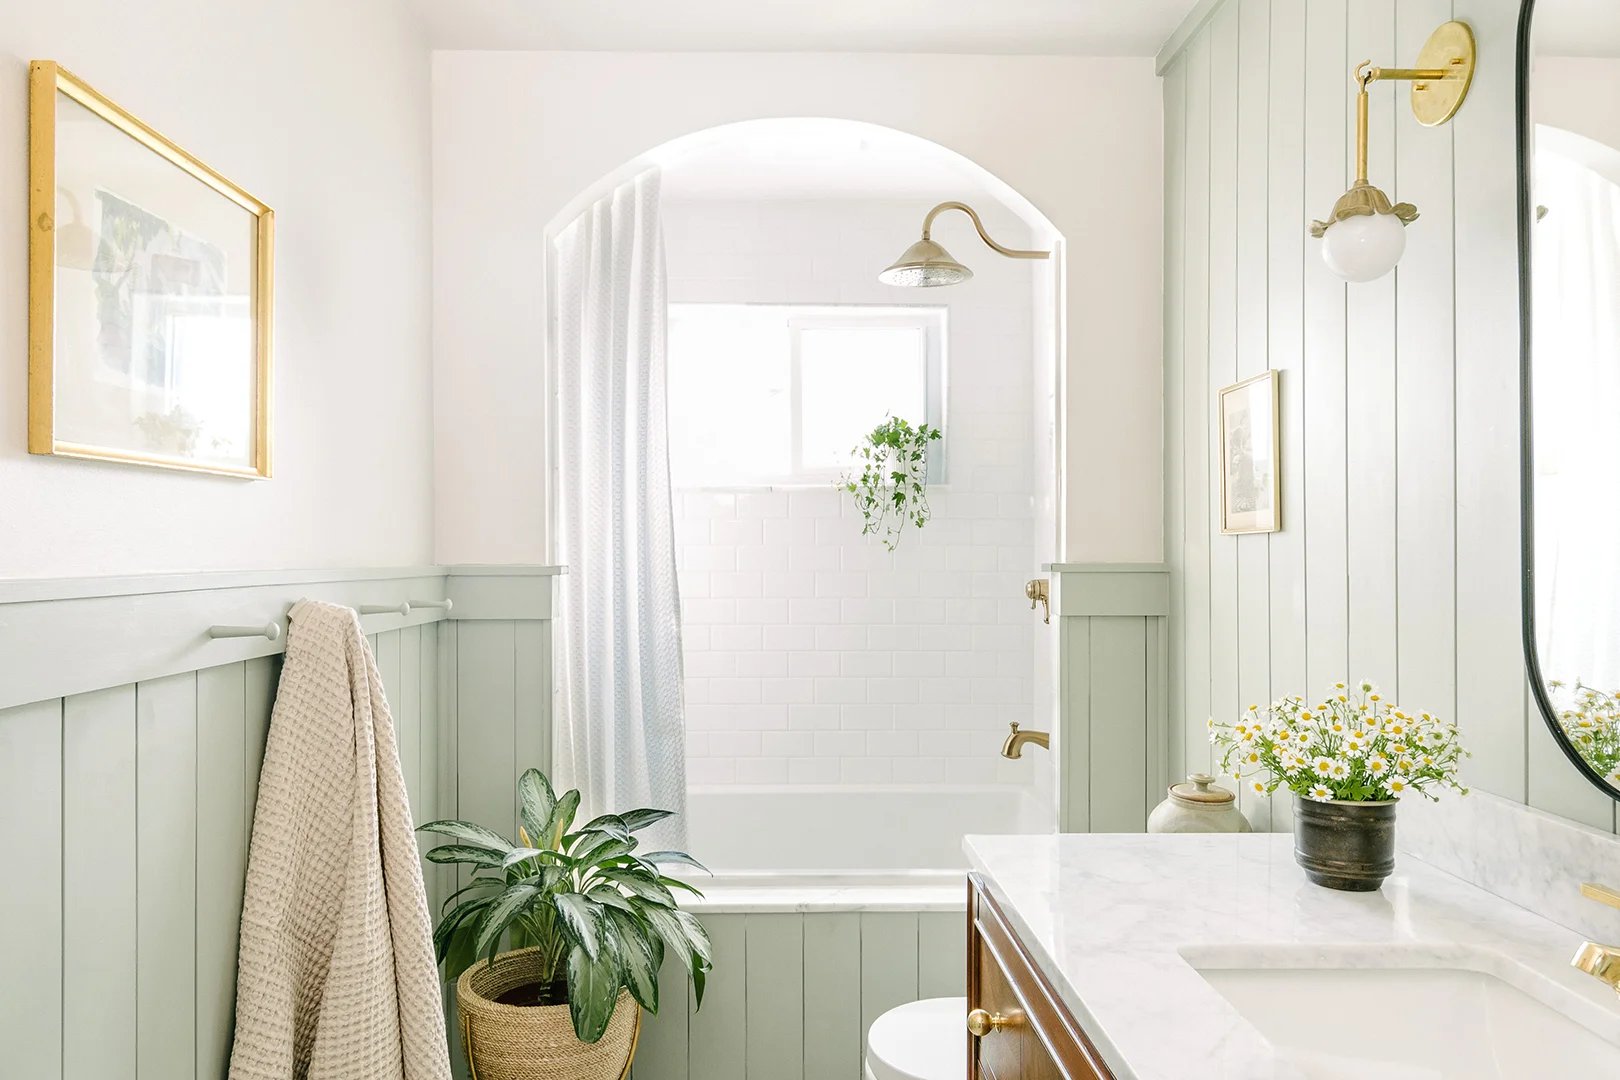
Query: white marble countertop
x=1113, y=919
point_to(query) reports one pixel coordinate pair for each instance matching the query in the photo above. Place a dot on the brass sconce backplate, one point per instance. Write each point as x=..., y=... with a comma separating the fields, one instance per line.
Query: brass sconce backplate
x=1450, y=49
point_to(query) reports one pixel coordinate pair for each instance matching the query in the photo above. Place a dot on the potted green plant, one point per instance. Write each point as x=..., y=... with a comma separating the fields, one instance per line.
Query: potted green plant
x=585, y=921
x=1349, y=760
x=888, y=477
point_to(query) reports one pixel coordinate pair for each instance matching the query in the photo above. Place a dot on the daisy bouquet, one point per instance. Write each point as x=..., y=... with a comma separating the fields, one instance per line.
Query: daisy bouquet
x=1351, y=746
x=1591, y=720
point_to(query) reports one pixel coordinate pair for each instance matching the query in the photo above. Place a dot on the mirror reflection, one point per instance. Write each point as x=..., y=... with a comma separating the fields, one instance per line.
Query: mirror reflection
x=1573, y=366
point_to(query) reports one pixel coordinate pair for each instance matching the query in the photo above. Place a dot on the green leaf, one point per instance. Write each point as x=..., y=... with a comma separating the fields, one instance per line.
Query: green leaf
x=676, y=883
x=673, y=857
x=462, y=853
x=466, y=830
x=609, y=897
x=593, y=990
x=669, y=928
x=636, y=957
x=636, y=820
x=456, y=921
x=562, y=816
x=580, y=916
x=699, y=979
x=536, y=801
x=641, y=886
x=608, y=823
x=517, y=855
x=697, y=936
x=505, y=908
x=477, y=883
x=610, y=847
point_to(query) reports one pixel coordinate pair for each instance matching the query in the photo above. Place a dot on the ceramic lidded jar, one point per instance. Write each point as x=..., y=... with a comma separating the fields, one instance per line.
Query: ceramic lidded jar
x=1198, y=806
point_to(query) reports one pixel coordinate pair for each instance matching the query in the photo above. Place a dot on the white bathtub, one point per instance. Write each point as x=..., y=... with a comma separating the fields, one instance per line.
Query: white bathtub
x=894, y=831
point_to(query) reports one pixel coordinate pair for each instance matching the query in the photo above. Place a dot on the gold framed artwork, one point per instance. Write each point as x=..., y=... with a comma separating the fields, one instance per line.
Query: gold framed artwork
x=1251, y=456
x=149, y=293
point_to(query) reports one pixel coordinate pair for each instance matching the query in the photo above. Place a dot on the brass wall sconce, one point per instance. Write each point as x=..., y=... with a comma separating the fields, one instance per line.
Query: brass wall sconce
x=1365, y=235
x=926, y=264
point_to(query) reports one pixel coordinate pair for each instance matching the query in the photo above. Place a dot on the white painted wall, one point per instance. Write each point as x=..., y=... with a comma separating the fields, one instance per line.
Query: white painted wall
x=334, y=136
x=813, y=655
x=517, y=136
x=1399, y=556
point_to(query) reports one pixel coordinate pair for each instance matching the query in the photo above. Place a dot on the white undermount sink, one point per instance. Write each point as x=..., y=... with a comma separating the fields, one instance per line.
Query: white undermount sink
x=1410, y=1023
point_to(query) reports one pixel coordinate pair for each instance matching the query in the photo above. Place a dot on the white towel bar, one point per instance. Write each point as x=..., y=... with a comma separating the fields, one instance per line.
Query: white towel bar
x=269, y=631
x=384, y=609
x=445, y=603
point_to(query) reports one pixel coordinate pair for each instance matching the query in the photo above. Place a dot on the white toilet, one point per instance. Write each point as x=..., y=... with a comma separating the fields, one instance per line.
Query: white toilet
x=925, y=1040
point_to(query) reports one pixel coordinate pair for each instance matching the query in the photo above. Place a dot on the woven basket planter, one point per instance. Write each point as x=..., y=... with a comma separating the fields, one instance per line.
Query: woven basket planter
x=536, y=1042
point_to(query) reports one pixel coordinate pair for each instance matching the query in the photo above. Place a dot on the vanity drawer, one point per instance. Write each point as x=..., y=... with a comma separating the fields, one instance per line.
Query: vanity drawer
x=1037, y=1038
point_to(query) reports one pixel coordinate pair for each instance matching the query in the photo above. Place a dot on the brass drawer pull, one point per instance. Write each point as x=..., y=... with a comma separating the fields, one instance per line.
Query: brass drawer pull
x=981, y=1023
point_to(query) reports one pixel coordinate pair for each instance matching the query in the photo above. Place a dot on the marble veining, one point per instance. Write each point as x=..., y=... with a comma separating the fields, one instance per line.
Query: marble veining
x=1114, y=919
x=1535, y=859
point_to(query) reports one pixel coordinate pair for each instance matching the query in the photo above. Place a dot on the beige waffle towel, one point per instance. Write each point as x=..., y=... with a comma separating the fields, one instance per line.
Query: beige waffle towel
x=336, y=977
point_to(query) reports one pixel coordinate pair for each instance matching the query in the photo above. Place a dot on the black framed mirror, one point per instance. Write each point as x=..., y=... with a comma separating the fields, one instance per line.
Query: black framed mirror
x=1569, y=299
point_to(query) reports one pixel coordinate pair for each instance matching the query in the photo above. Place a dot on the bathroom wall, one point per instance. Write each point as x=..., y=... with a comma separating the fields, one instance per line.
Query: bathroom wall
x=1398, y=559
x=335, y=139
x=813, y=655
x=1077, y=136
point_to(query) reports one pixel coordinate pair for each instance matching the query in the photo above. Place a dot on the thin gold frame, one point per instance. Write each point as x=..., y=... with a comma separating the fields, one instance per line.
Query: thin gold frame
x=45, y=79
x=1270, y=377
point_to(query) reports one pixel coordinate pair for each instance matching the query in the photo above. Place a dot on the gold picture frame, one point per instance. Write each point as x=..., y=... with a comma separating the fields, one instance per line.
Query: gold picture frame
x=165, y=326
x=1251, y=455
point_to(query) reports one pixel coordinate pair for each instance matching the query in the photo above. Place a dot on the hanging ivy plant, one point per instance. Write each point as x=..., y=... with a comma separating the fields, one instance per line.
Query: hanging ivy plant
x=888, y=478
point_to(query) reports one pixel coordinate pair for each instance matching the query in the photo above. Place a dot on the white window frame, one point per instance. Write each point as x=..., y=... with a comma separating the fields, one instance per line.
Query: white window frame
x=931, y=320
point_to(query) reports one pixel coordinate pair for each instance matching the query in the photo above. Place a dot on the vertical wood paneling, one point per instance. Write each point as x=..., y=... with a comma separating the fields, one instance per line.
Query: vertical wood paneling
x=1425, y=426
x=532, y=731
x=31, y=1031
x=1196, y=467
x=888, y=962
x=1175, y=396
x=221, y=856
x=718, y=1031
x=832, y=1001
x=775, y=997
x=166, y=875
x=662, y=1050
x=1490, y=679
x=941, y=954
x=98, y=883
x=406, y=696
x=1118, y=756
x=1285, y=257
x=1399, y=555
x=486, y=702
x=1370, y=334
x=1253, y=551
x=1223, y=361
x=1324, y=514
x=1074, y=798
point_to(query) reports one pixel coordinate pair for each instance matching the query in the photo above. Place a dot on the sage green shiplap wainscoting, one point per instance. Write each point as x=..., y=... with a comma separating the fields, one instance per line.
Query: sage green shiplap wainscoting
x=1398, y=560
x=1111, y=737
x=130, y=746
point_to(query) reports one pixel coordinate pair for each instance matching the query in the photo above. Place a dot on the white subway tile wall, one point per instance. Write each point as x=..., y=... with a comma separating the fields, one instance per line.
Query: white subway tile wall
x=813, y=655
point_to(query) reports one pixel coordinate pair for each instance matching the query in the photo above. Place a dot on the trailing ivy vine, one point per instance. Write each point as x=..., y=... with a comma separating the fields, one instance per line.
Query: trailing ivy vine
x=888, y=478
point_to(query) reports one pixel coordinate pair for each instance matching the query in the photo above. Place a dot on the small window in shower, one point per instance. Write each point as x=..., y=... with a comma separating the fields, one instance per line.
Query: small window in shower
x=764, y=395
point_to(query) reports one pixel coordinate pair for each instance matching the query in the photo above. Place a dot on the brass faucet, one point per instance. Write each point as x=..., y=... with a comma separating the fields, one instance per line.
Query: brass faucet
x=1014, y=746
x=1600, y=961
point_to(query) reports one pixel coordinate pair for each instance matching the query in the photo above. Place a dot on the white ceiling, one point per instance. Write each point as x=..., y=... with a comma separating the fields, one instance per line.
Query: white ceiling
x=1577, y=28
x=1079, y=27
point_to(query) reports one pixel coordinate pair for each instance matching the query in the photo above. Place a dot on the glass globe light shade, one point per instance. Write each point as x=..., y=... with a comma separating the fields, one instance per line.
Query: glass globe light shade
x=1364, y=246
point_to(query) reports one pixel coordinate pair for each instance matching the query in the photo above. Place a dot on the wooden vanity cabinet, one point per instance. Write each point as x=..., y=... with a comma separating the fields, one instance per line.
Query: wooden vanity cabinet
x=1034, y=1036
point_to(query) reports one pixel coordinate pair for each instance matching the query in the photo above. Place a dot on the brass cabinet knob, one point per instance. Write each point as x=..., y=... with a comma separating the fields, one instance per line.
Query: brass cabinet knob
x=981, y=1023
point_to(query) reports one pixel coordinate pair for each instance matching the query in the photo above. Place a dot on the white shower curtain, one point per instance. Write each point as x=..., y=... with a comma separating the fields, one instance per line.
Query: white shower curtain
x=621, y=735
x=1576, y=279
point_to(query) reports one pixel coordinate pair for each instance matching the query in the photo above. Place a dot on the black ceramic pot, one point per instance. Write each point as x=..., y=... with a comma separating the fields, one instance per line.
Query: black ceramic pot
x=1345, y=845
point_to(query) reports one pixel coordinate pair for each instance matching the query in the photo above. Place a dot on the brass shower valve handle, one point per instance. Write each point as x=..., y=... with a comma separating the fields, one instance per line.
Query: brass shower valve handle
x=1039, y=591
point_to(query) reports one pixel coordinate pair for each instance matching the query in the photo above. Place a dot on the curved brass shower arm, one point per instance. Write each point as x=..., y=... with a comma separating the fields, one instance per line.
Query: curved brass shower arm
x=1011, y=253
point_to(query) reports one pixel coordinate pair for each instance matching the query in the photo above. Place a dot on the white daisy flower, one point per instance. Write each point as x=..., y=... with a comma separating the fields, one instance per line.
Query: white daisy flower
x=1321, y=793
x=1339, y=770
x=1258, y=787
x=1377, y=765
x=1398, y=785
x=1323, y=766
